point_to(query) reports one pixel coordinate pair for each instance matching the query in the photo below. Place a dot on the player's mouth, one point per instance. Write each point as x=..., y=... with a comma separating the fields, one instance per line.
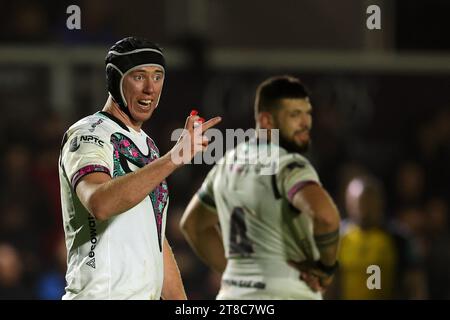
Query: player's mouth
x=145, y=103
x=302, y=134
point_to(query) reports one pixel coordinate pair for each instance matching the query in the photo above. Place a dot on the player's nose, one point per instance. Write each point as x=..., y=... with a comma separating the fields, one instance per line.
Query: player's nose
x=149, y=87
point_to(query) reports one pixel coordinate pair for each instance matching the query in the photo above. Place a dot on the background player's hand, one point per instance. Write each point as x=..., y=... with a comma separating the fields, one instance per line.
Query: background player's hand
x=192, y=139
x=311, y=281
x=315, y=278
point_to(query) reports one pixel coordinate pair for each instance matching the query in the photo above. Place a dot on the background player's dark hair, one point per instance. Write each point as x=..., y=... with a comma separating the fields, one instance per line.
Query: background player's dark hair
x=273, y=89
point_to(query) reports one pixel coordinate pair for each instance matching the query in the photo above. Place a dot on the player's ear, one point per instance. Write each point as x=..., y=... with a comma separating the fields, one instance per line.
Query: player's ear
x=266, y=120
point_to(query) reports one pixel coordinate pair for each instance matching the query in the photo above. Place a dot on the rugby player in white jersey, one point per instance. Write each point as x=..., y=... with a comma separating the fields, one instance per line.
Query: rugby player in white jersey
x=279, y=233
x=113, y=189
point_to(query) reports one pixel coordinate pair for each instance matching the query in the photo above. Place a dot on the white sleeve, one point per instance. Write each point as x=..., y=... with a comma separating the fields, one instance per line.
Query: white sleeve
x=86, y=153
x=295, y=173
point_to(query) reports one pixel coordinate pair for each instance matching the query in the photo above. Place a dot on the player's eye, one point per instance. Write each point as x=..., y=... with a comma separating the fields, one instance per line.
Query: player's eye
x=139, y=77
x=157, y=76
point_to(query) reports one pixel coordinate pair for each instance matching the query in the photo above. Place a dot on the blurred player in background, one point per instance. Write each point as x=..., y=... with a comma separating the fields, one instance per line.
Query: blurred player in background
x=113, y=189
x=279, y=233
x=368, y=240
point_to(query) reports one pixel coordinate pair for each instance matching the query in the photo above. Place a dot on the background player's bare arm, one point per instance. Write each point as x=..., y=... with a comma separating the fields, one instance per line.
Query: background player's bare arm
x=104, y=197
x=315, y=201
x=172, y=286
x=200, y=227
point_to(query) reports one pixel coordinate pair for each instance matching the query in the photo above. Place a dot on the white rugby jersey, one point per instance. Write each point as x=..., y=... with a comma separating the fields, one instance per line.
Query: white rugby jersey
x=261, y=229
x=120, y=258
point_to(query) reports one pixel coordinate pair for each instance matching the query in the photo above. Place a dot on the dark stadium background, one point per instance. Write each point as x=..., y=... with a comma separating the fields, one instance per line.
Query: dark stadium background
x=381, y=100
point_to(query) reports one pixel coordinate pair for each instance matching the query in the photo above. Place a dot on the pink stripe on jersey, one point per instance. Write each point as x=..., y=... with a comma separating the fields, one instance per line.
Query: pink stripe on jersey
x=297, y=187
x=87, y=170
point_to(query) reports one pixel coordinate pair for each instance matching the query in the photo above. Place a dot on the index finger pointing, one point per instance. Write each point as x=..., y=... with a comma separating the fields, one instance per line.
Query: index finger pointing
x=210, y=123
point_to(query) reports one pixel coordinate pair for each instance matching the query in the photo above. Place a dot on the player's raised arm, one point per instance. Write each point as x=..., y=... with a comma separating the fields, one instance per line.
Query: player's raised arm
x=104, y=197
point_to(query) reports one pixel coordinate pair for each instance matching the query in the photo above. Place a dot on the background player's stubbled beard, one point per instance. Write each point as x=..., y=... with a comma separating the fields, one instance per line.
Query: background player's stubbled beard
x=288, y=143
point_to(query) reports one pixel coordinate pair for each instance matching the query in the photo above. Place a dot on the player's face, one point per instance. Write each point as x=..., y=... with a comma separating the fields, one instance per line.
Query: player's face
x=142, y=88
x=294, y=122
